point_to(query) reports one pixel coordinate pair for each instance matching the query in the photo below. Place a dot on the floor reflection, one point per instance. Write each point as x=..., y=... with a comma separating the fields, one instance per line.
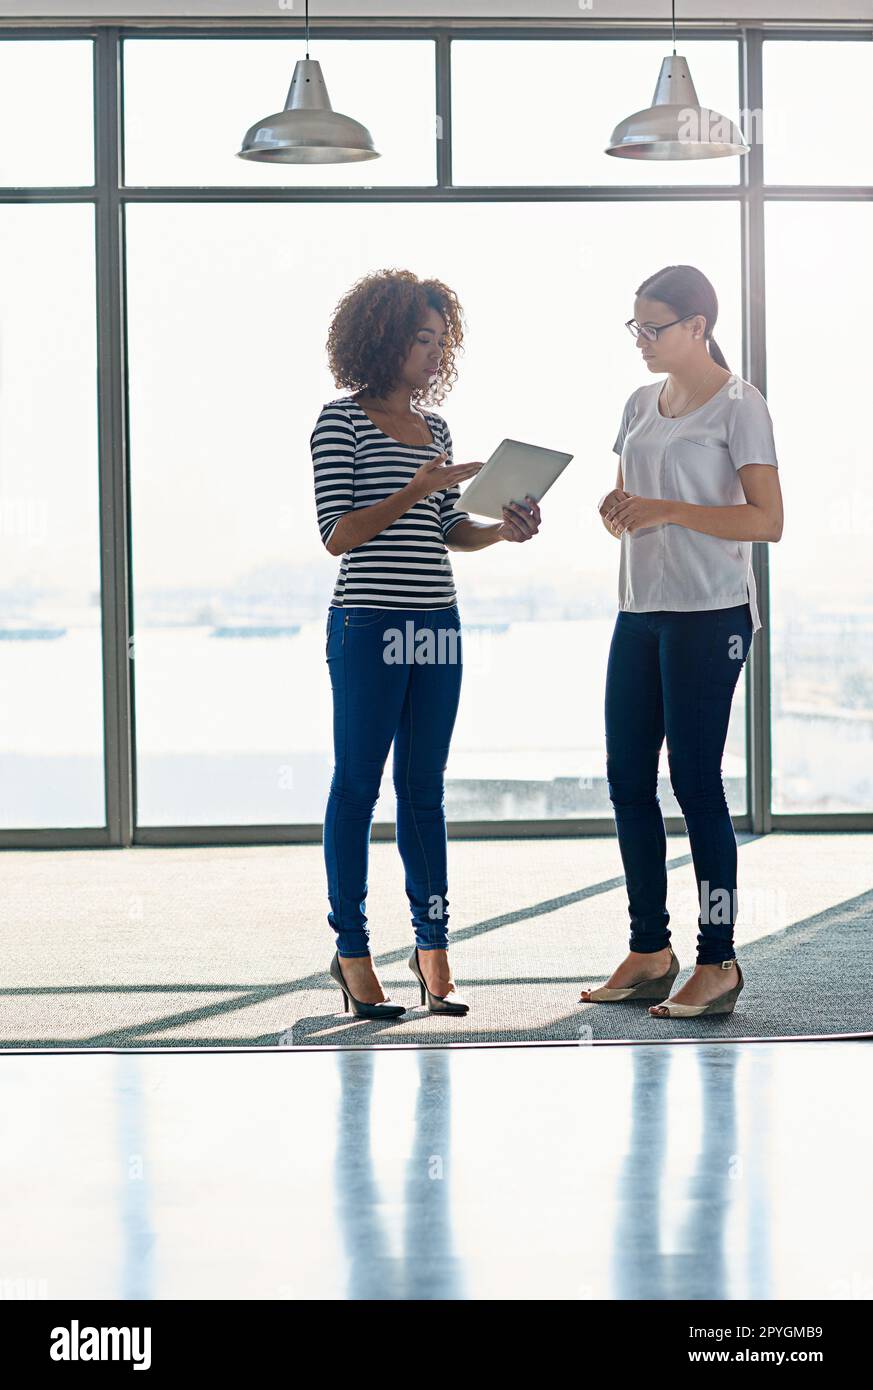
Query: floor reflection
x=671, y=1219
x=588, y=1172
x=426, y=1266
x=633, y=1158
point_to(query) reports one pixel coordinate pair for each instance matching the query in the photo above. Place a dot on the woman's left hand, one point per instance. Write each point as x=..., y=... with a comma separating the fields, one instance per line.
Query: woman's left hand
x=520, y=523
x=635, y=512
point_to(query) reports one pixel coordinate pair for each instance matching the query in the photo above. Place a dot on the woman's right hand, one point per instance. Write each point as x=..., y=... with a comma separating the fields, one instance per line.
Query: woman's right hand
x=435, y=476
x=606, y=504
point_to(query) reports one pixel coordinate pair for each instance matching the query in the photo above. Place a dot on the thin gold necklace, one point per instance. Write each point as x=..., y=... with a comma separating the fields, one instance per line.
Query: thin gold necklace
x=671, y=414
x=419, y=420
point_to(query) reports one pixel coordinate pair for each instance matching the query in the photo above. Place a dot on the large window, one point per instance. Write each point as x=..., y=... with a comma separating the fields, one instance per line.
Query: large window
x=188, y=103
x=537, y=111
x=215, y=289
x=231, y=580
x=817, y=141
x=46, y=112
x=819, y=301
x=51, y=683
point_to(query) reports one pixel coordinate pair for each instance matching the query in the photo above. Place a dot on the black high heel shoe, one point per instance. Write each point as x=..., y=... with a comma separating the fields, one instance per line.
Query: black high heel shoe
x=383, y=1010
x=451, y=1004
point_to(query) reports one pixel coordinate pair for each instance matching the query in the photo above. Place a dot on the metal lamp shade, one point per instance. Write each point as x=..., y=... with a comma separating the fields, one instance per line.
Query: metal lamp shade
x=676, y=126
x=308, y=131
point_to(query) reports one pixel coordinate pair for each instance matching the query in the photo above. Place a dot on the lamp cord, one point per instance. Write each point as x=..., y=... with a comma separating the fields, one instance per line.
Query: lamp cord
x=307, y=30
x=674, y=26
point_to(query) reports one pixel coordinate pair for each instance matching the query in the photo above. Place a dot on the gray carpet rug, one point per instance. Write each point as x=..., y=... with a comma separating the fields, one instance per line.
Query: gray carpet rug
x=178, y=948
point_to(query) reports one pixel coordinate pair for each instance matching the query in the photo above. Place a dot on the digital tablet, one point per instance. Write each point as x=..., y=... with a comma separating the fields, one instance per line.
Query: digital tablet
x=513, y=471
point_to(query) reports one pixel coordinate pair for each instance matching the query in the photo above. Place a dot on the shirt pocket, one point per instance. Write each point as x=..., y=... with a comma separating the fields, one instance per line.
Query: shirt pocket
x=704, y=475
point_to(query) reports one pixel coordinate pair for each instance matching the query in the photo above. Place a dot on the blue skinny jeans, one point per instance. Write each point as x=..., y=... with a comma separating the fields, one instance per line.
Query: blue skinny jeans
x=674, y=675
x=396, y=677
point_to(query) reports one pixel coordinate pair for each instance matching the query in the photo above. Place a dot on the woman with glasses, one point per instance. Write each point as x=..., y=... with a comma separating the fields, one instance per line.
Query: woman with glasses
x=385, y=489
x=697, y=483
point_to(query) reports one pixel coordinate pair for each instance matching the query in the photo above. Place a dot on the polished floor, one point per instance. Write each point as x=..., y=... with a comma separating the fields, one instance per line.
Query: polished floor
x=688, y=1170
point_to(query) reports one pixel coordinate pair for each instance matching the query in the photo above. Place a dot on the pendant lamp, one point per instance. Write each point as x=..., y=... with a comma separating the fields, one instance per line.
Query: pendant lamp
x=308, y=131
x=675, y=126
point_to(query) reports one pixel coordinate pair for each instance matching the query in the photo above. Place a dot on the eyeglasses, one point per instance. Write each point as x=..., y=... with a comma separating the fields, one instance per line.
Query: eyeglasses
x=652, y=333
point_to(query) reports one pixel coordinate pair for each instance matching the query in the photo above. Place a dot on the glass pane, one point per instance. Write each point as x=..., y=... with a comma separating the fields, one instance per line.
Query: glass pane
x=189, y=102
x=542, y=111
x=51, y=694
x=817, y=111
x=229, y=312
x=46, y=92
x=821, y=571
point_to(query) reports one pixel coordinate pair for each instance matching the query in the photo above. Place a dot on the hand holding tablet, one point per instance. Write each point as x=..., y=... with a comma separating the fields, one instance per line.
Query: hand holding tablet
x=515, y=470
x=521, y=520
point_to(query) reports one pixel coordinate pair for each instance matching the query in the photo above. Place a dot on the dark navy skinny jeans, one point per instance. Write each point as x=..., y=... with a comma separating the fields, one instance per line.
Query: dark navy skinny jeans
x=674, y=675
x=396, y=677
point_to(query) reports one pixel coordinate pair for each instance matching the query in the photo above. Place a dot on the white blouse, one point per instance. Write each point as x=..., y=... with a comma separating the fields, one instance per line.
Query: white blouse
x=690, y=458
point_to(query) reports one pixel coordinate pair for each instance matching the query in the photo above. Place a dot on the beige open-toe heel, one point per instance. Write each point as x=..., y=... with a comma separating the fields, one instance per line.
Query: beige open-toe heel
x=724, y=1004
x=653, y=990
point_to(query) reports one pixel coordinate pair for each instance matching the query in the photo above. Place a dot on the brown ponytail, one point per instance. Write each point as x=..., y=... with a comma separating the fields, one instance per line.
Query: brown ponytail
x=716, y=353
x=687, y=291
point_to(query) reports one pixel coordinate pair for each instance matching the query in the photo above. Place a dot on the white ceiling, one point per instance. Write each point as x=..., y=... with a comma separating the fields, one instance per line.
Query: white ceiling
x=519, y=10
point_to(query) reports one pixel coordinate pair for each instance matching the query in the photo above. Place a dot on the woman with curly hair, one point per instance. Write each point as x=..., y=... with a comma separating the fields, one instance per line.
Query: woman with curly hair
x=385, y=488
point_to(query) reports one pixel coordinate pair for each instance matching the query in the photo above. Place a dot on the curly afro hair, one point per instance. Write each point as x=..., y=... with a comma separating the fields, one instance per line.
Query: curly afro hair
x=374, y=326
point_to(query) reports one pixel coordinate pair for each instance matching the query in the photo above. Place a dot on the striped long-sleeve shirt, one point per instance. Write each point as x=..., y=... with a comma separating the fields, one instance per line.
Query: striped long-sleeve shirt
x=356, y=465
